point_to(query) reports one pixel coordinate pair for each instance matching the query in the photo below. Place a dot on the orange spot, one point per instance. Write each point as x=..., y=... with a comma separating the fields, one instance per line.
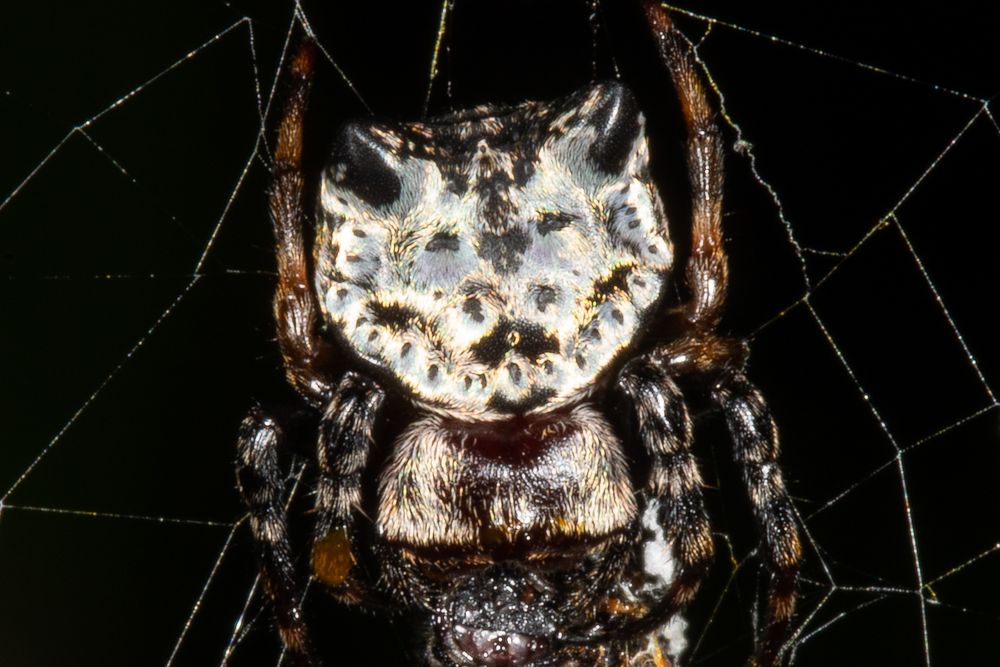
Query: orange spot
x=332, y=558
x=658, y=657
x=618, y=607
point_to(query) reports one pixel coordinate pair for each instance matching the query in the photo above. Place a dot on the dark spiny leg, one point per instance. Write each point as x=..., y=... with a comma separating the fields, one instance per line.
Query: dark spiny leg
x=665, y=431
x=701, y=352
x=261, y=483
x=295, y=308
x=755, y=441
x=345, y=441
x=707, y=272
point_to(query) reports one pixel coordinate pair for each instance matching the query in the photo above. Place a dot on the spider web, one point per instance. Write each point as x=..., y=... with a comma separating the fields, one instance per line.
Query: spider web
x=138, y=263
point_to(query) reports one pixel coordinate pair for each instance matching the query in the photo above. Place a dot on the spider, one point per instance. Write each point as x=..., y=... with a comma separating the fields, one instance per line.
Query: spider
x=499, y=273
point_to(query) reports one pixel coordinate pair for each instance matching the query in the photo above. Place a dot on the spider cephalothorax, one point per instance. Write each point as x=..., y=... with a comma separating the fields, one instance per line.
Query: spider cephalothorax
x=496, y=270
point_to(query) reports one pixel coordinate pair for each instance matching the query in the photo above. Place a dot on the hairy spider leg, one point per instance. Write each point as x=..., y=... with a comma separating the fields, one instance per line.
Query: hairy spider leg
x=707, y=270
x=345, y=439
x=295, y=309
x=348, y=411
x=755, y=446
x=345, y=442
x=261, y=483
x=703, y=353
x=666, y=433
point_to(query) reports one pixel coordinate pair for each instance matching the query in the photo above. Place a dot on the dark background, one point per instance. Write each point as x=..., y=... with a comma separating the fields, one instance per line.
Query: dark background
x=92, y=259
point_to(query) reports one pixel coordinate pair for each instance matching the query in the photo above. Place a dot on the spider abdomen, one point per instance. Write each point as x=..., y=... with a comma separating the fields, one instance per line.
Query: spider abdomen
x=497, y=260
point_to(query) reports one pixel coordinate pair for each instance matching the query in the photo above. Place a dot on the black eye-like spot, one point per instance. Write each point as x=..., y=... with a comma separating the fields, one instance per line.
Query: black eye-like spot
x=372, y=336
x=359, y=164
x=653, y=249
x=432, y=372
x=360, y=233
x=553, y=221
x=474, y=309
x=341, y=293
x=468, y=382
x=405, y=350
x=548, y=367
x=619, y=317
x=580, y=361
x=546, y=297
x=616, y=119
x=633, y=223
x=442, y=241
x=515, y=373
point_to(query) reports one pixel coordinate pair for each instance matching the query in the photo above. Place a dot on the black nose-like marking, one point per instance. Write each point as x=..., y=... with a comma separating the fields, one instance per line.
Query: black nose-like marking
x=528, y=338
x=504, y=251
